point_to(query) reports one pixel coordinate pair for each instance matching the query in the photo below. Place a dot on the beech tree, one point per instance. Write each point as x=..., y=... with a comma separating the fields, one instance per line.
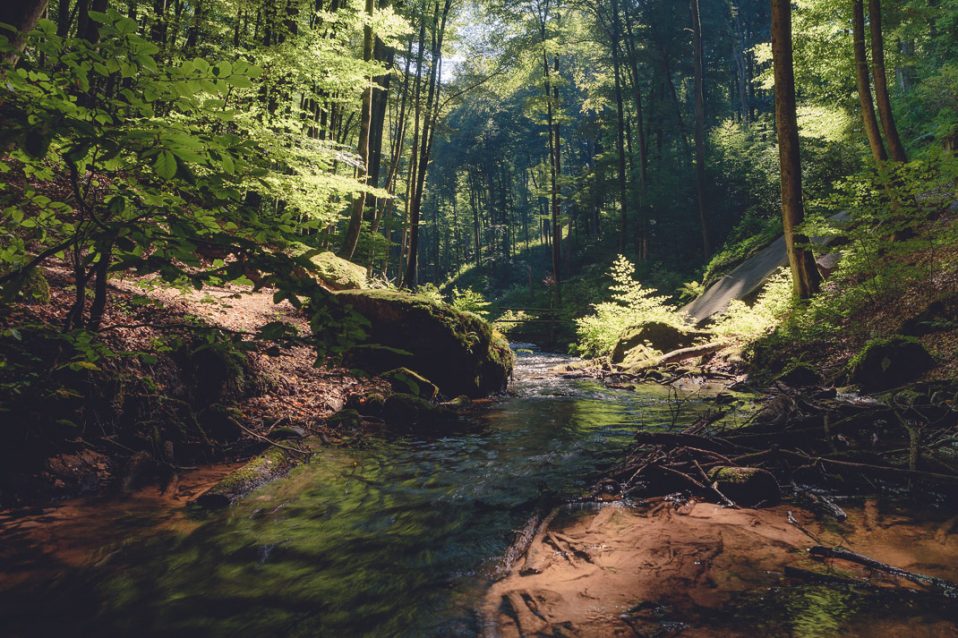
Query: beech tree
x=805, y=277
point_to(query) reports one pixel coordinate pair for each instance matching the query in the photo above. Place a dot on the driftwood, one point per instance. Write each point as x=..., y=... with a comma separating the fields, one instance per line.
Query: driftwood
x=940, y=586
x=690, y=353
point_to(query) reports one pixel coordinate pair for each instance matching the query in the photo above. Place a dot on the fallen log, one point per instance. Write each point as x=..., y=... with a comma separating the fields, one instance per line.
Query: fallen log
x=683, y=354
x=939, y=585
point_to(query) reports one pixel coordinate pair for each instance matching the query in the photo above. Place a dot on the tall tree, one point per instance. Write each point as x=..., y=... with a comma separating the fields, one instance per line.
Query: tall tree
x=700, y=125
x=351, y=240
x=895, y=146
x=805, y=277
x=864, y=86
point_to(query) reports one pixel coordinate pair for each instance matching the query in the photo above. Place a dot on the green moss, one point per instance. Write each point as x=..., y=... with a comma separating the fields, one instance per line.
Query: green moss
x=459, y=351
x=269, y=465
x=338, y=273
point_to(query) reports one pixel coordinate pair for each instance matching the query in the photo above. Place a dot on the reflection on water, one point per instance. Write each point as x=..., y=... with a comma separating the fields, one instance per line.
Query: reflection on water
x=394, y=539
x=391, y=539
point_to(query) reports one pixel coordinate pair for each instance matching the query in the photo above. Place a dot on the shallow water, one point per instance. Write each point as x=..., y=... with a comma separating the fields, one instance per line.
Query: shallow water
x=392, y=539
x=396, y=538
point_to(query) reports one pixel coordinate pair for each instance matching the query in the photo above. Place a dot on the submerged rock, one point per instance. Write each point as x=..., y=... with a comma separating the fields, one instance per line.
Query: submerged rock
x=458, y=351
x=655, y=335
x=747, y=486
x=409, y=411
x=889, y=362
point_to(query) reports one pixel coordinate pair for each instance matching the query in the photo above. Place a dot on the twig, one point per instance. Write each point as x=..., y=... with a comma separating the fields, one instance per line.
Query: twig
x=266, y=439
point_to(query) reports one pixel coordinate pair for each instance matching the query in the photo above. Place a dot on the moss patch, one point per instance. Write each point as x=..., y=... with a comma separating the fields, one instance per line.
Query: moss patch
x=338, y=273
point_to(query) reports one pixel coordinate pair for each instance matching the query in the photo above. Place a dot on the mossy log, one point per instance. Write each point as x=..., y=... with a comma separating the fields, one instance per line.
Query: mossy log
x=271, y=464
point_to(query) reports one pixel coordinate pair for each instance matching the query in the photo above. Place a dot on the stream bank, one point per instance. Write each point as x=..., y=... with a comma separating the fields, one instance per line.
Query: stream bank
x=405, y=536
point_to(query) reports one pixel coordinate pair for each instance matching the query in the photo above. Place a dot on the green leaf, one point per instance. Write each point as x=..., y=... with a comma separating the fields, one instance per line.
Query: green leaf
x=165, y=165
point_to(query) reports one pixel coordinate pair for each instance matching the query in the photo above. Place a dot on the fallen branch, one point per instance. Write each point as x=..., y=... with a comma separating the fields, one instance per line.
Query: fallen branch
x=941, y=586
x=689, y=353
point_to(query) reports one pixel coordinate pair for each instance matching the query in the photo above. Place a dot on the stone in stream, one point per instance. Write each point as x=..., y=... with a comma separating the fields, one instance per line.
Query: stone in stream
x=747, y=486
x=458, y=351
x=406, y=411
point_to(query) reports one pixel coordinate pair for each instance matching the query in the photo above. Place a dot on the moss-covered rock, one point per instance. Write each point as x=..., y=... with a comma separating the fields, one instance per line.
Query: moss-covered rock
x=347, y=419
x=339, y=274
x=889, y=362
x=656, y=335
x=747, y=486
x=367, y=404
x=411, y=382
x=800, y=375
x=457, y=350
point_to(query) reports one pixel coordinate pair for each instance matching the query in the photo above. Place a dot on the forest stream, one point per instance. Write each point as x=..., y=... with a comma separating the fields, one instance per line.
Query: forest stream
x=401, y=537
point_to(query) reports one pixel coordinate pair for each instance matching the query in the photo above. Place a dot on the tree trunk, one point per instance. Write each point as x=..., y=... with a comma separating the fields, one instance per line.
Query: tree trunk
x=700, y=127
x=864, y=87
x=616, y=36
x=895, y=146
x=359, y=204
x=805, y=278
x=23, y=16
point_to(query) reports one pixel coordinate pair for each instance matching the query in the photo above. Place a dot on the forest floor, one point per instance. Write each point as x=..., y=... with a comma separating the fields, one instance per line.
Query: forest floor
x=282, y=388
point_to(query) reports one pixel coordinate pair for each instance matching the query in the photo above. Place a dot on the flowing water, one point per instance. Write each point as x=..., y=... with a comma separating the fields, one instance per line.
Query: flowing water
x=395, y=538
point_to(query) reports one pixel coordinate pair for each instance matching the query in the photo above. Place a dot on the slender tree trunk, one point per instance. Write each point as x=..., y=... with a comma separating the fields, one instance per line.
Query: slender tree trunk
x=620, y=126
x=805, y=277
x=430, y=116
x=700, y=127
x=879, y=73
x=864, y=86
x=741, y=68
x=351, y=239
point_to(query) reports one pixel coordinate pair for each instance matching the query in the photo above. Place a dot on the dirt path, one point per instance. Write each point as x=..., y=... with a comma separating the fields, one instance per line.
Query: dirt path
x=667, y=571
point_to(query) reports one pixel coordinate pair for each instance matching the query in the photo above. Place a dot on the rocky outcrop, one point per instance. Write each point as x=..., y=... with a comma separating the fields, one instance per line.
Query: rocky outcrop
x=458, y=351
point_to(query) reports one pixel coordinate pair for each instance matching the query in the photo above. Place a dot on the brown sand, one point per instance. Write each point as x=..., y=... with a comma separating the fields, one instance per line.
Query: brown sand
x=611, y=573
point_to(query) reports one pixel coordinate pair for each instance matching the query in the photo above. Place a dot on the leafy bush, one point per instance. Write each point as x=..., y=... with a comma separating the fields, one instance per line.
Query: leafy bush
x=748, y=323
x=469, y=300
x=631, y=304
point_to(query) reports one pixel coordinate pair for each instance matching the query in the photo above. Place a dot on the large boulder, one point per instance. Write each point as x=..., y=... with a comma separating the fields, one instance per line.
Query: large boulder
x=458, y=351
x=656, y=335
x=337, y=273
x=889, y=362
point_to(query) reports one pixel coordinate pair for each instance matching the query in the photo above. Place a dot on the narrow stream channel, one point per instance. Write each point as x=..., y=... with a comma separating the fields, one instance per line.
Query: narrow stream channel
x=393, y=539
